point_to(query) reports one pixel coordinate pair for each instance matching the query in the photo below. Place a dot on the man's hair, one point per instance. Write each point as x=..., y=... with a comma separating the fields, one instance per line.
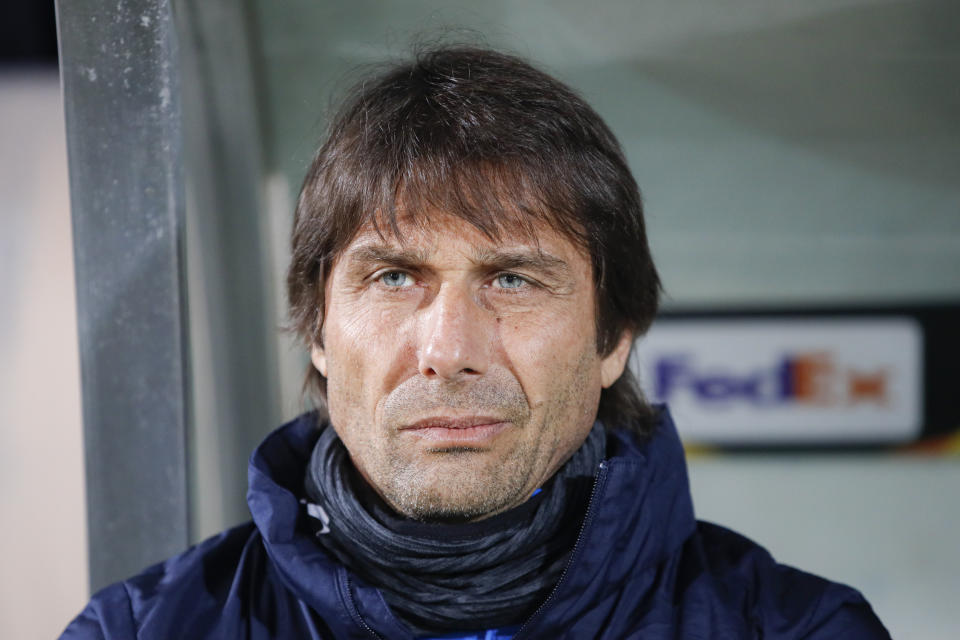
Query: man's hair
x=485, y=137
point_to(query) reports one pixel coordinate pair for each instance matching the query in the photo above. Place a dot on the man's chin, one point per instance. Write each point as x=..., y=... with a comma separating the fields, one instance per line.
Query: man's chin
x=454, y=482
x=453, y=499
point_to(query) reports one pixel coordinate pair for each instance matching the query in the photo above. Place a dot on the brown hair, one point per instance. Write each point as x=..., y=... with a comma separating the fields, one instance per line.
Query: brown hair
x=483, y=136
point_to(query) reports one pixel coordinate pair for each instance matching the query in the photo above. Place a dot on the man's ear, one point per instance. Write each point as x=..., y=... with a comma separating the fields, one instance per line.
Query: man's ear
x=612, y=365
x=319, y=359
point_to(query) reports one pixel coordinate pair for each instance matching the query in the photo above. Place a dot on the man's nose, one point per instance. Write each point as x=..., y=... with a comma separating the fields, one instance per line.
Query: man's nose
x=455, y=335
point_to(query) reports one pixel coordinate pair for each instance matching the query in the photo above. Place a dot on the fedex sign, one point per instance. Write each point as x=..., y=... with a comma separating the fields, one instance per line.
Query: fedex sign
x=810, y=378
x=770, y=380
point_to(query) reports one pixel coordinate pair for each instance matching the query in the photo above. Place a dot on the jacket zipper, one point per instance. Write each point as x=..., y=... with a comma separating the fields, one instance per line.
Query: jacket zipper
x=591, y=510
x=356, y=611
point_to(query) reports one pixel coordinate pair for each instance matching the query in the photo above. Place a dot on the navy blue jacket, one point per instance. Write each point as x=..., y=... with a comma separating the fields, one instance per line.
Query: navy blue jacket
x=642, y=568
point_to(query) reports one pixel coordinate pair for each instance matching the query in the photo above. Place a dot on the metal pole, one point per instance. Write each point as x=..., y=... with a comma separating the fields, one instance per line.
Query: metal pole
x=121, y=86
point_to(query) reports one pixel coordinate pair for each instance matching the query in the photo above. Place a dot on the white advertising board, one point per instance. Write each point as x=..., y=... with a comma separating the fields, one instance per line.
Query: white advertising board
x=786, y=380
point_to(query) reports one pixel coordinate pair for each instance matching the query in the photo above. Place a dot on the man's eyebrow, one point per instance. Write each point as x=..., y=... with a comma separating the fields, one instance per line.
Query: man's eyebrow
x=534, y=259
x=374, y=253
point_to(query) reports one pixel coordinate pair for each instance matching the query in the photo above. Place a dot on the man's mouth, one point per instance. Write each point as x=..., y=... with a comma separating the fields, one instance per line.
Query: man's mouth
x=442, y=432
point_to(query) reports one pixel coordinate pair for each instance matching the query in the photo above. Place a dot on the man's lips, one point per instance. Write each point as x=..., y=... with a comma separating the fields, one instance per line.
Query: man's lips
x=462, y=431
x=444, y=422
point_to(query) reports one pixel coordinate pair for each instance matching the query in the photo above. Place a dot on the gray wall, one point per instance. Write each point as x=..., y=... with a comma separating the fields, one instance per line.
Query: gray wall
x=44, y=579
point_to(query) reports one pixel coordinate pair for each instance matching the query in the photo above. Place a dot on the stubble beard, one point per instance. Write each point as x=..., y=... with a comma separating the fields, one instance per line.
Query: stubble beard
x=456, y=484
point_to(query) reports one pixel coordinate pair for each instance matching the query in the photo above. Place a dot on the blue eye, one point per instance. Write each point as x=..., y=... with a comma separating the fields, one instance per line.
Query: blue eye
x=510, y=281
x=395, y=279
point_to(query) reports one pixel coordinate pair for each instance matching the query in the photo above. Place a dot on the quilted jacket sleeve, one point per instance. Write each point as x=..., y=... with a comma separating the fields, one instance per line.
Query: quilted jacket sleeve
x=781, y=602
x=796, y=605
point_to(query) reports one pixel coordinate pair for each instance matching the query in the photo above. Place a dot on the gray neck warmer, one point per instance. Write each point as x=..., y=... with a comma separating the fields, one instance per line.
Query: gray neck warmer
x=442, y=578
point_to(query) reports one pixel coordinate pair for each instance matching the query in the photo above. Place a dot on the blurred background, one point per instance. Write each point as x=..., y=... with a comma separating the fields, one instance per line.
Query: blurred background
x=800, y=164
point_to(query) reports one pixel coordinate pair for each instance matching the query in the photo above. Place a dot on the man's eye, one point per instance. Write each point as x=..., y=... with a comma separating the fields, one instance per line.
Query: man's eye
x=510, y=281
x=395, y=279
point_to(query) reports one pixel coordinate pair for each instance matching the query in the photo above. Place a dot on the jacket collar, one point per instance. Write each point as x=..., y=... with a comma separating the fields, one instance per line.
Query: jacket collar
x=639, y=515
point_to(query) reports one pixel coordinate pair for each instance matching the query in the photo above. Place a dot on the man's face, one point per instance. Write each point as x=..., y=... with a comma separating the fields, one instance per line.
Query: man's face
x=462, y=372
